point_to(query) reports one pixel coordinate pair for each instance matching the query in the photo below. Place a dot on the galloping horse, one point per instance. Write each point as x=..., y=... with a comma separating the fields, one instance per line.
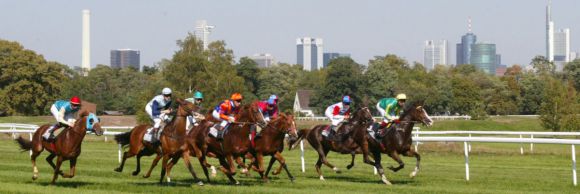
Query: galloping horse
x=173, y=141
x=270, y=143
x=353, y=141
x=138, y=147
x=398, y=140
x=66, y=146
x=234, y=145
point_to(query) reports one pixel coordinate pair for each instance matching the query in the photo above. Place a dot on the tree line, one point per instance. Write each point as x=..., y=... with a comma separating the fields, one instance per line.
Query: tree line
x=29, y=84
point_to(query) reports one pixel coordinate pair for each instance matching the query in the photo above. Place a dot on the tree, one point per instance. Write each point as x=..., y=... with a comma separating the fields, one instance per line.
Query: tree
x=382, y=76
x=542, y=65
x=572, y=73
x=28, y=83
x=248, y=69
x=532, y=92
x=282, y=81
x=559, y=110
x=344, y=78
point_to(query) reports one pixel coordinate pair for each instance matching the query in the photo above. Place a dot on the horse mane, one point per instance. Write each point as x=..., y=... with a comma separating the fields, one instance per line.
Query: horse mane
x=84, y=114
x=408, y=108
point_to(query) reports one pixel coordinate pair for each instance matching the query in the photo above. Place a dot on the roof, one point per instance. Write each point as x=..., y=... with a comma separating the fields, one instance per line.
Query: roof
x=304, y=98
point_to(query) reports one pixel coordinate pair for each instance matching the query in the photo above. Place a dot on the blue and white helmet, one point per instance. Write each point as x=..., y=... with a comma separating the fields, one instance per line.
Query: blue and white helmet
x=346, y=100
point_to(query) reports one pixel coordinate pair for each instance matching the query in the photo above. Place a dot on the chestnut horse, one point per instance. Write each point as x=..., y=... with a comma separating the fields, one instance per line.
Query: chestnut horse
x=270, y=142
x=173, y=141
x=66, y=146
x=234, y=145
x=398, y=140
x=138, y=147
x=353, y=140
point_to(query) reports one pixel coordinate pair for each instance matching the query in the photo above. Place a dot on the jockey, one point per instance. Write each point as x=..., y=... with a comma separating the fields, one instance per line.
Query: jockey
x=337, y=113
x=64, y=113
x=158, y=108
x=269, y=110
x=390, y=109
x=224, y=113
x=197, y=100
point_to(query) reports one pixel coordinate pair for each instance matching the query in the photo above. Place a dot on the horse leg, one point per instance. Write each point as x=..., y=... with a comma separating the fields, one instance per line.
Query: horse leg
x=260, y=163
x=351, y=161
x=224, y=168
x=278, y=170
x=282, y=162
x=138, y=158
x=185, y=156
x=49, y=159
x=272, y=160
x=126, y=155
x=170, y=166
x=397, y=158
x=325, y=162
x=365, y=150
x=377, y=157
x=73, y=165
x=241, y=164
x=34, y=168
x=232, y=169
x=412, y=153
x=56, y=170
x=153, y=164
x=163, y=168
x=201, y=157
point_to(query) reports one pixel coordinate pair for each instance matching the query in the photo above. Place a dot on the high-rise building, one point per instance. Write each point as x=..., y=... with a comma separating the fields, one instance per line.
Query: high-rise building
x=464, y=48
x=86, y=50
x=202, y=31
x=264, y=59
x=122, y=58
x=435, y=53
x=309, y=53
x=561, y=48
x=327, y=57
x=557, y=42
x=483, y=56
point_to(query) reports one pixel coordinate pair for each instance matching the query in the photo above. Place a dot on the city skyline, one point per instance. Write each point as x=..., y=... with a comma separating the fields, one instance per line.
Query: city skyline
x=382, y=27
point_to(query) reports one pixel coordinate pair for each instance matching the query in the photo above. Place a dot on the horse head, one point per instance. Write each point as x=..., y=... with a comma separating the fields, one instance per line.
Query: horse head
x=186, y=108
x=417, y=113
x=362, y=116
x=90, y=122
x=251, y=113
x=284, y=124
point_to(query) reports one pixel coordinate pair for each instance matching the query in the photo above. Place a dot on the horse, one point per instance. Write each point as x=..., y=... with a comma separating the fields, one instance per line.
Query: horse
x=272, y=139
x=173, y=141
x=352, y=141
x=138, y=147
x=66, y=146
x=397, y=140
x=234, y=145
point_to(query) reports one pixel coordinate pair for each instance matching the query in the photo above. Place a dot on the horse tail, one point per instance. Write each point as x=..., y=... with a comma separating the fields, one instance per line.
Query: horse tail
x=24, y=144
x=301, y=134
x=123, y=138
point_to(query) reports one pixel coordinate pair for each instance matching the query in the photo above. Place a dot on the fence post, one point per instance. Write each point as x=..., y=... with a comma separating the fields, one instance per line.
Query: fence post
x=469, y=144
x=30, y=137
x=120, y=152
x=302, y=155
x=105, y=135
x=521, y=146
x=574, y=179
x=417, y=142
x=465, y=147
x=532, y=144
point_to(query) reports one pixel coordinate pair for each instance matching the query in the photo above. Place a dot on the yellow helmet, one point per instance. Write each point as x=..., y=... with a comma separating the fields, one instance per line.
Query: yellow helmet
x=401, y=97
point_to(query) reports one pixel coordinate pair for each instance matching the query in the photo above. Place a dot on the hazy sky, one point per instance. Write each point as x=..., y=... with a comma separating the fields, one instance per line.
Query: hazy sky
x=362, y=28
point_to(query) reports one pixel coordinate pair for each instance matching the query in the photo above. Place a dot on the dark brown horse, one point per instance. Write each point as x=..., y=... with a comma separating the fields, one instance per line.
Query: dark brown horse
x=353, y=140
x=173, y=141
x=397, y=140
x=271, y=142
x=234, y=145
x=138, y=147
x=66, y=146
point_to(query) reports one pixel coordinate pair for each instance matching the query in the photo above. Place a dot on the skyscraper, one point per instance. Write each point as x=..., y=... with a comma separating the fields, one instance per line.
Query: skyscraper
x=263, y=59
x=309, y=53
x=121, y=58
x=483, y=56
x=327, y=57
x=435, y=53
x=464, y=48
x=549, y=33
x=86, y=50
x=561, y=48
x=202, y=31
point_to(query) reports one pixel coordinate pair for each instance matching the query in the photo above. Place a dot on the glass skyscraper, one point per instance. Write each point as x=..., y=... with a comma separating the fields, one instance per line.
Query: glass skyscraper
x=434, y=53
x=309, y=53
x=464, y=48
x=122, y=58
x=483, y=56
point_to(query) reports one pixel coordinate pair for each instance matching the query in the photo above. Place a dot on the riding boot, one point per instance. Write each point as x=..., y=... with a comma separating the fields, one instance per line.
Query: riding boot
x=154, y=135
x=220, y=135
x=50, y=132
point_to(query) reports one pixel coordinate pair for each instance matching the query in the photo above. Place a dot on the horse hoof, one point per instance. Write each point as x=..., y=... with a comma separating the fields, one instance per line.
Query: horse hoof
x=336, y=170
x=237, y=183
x=145, y=176
x=413, y=174
x=275, y=173
x=384, y=179
x=34, y=177
x=349, y=167
x=200, y=183
x=321, y=178
x=118, y=170
x=135, y=173
x=292, y=179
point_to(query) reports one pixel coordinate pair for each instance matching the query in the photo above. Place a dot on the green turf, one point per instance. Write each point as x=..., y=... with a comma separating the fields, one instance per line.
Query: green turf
x=500, y=123
x=39, y=120
x=495, y=168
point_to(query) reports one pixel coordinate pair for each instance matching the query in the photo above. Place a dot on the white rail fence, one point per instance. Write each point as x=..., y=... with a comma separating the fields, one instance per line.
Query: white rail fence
x=23, y=128
x=465, y=117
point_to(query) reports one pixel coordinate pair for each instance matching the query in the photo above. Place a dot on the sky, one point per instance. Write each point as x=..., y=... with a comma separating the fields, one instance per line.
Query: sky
x=363, y=28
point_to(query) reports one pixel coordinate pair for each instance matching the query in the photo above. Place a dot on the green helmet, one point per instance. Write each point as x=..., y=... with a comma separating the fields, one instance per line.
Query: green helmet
x=198, y=95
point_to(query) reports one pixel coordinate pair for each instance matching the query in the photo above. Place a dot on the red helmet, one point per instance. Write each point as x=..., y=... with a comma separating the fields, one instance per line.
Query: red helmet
x=75, y=100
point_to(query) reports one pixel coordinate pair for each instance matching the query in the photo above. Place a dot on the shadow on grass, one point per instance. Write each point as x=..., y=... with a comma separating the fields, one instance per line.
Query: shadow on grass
x=376, y=180
x=67, y=184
